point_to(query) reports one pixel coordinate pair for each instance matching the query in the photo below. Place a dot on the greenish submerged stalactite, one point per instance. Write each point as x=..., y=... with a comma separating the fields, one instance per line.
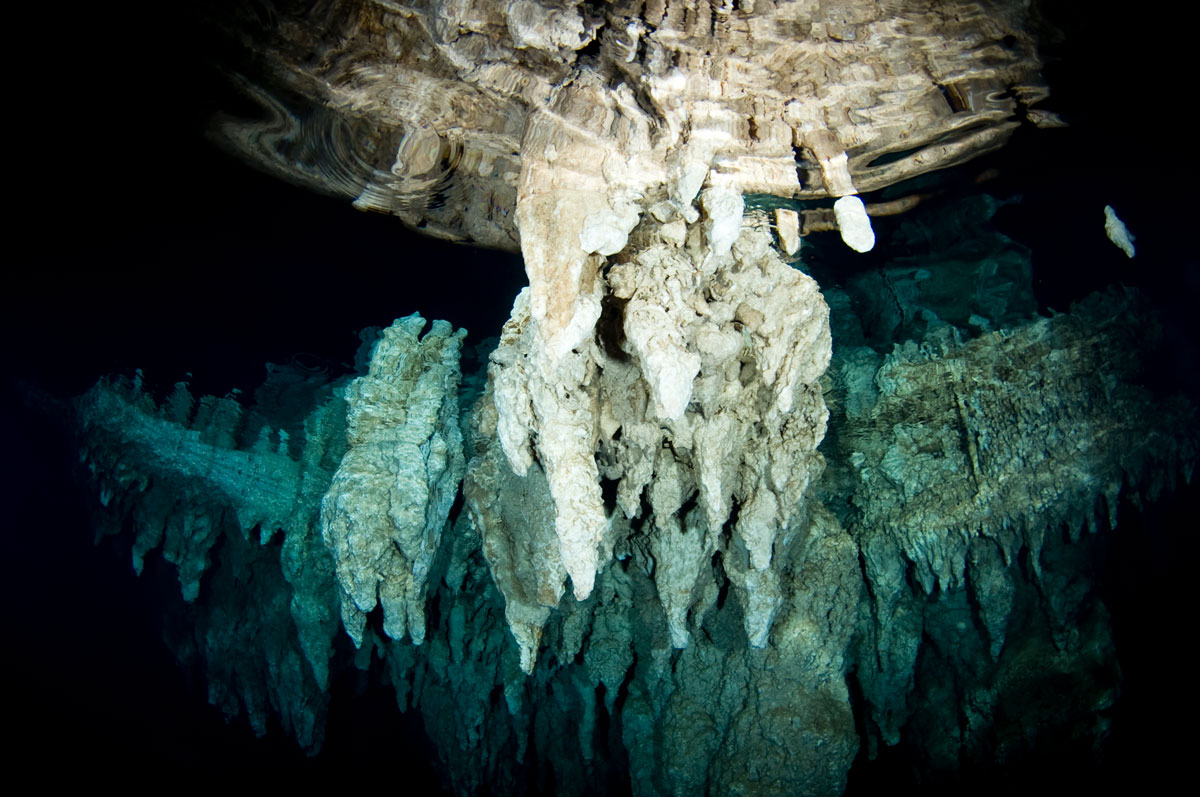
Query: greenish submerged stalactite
x=933, y=572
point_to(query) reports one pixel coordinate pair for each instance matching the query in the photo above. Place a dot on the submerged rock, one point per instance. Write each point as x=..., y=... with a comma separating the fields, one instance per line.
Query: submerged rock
x=799, y=522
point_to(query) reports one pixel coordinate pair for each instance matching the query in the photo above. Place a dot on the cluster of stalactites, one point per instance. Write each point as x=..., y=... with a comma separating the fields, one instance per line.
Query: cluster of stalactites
x=382, y=516
x=694, y=392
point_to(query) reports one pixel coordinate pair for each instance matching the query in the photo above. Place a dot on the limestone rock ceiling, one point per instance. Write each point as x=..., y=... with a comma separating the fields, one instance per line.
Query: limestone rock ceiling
x=446, y=113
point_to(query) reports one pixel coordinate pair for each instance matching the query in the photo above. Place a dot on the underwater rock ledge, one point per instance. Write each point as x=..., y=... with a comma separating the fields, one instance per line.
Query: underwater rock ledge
x=928, y=572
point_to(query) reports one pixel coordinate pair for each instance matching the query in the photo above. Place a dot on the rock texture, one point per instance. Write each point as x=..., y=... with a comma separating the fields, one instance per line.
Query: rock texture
x=699, y=395
x=959, y=459
x=615, y=144
x=463, y=118
x=382, y=517
x=741, y=618
x=214, y=486
x=360, y=489
x=926, y=601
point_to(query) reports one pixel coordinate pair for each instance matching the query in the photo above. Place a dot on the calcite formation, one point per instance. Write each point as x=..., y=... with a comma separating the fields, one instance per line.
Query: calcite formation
x=504, y=123
x=702, y=391
x=192, y=475
x=653, y=426
x=615, y=144
x=898, y=568
x=382, y=517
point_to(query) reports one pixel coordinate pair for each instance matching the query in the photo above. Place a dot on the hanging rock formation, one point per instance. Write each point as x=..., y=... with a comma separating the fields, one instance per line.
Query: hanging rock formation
x=192, y=478
x=615, y=143
x=655, y=417
x=383, y=515
x=701, y=392
x=874, y=567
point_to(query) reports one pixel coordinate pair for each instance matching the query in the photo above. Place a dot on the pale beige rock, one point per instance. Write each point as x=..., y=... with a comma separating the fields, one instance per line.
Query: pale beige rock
x=614, y=144
x=548, y=408
x=702, y=389
x=382, y=516
x=1117, y=232
x=515, y=518
x=854, y=224
x=787, y=226
x=442, y=112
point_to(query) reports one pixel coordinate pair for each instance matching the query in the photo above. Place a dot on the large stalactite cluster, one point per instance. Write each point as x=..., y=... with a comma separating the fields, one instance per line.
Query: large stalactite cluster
x=911, y=540
x=653, y=427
